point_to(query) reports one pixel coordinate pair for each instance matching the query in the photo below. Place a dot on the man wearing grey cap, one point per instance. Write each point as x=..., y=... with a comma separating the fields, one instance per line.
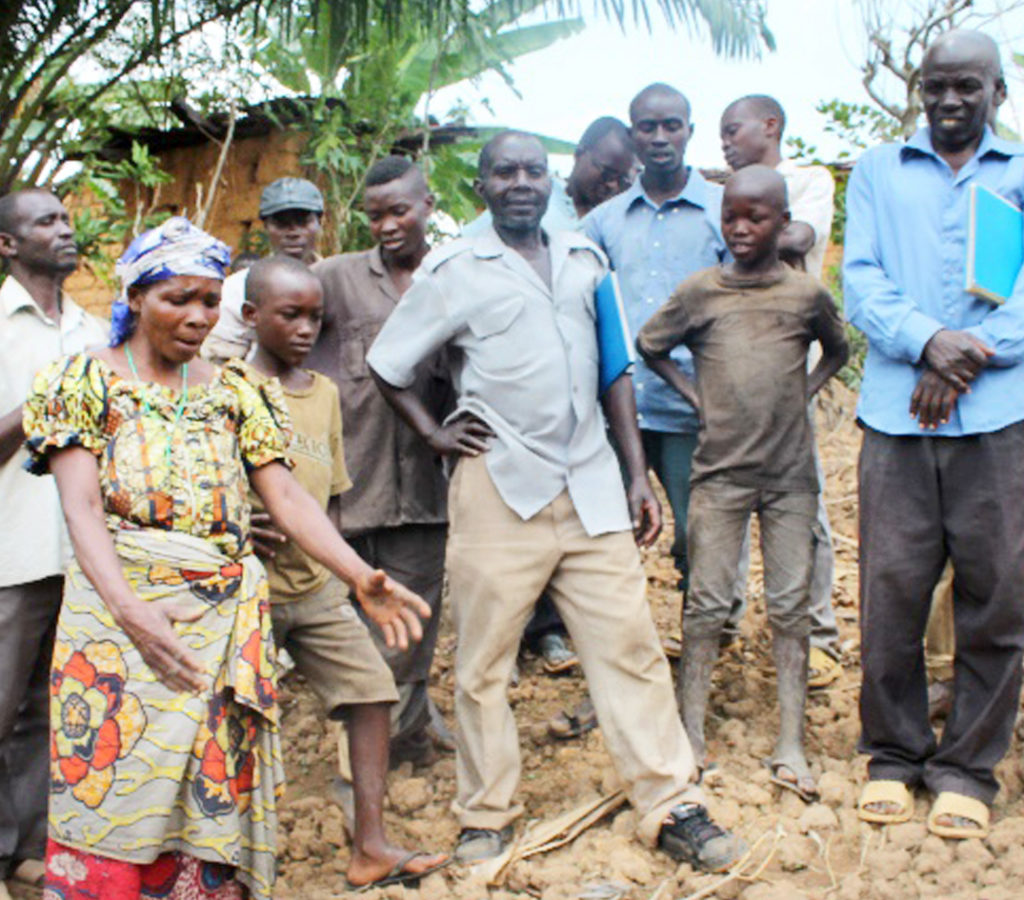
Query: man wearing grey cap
x=290, y=209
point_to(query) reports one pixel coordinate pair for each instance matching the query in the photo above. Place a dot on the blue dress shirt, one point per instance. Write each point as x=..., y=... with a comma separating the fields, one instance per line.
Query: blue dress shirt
x=904, y=276
x=654, y=249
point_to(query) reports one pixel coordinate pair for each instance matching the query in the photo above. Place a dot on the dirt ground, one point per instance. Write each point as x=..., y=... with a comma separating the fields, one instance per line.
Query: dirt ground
x=818, y=851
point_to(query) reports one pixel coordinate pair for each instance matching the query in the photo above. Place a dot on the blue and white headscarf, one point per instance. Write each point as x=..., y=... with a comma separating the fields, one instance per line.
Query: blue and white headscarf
x=176, y=247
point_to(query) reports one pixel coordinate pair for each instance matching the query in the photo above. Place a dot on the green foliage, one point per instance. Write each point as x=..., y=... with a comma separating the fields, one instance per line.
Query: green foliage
x=43, y=43
x=852, y=373
x=859, y=125
x=107, y=226
x=369, y=96
x=47, y=107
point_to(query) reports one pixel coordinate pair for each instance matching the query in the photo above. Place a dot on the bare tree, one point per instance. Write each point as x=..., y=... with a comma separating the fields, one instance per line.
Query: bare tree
x=898, y=33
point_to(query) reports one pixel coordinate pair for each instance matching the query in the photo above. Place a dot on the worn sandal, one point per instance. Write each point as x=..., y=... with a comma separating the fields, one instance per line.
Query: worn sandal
x=960, y=806
x=822, y=669
x=567, y=725
x=399, y=874
x=806, y=788
x=885, y=790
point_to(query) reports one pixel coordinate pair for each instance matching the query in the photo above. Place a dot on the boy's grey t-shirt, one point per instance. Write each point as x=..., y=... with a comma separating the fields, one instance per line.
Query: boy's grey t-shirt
x=749, y=339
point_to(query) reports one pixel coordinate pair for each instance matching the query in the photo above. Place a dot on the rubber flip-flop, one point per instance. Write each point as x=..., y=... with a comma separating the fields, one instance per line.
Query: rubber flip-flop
x=795, y=784
x=568, y=725
x=950, y=803
x=556, y=655
x=822, y=669
x=399, y=874
x=885, y=790
x=554, y=666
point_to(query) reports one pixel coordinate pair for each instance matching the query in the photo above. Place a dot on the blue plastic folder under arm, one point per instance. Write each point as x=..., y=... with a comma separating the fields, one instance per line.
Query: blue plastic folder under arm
x=995, y=245
x=614, y=342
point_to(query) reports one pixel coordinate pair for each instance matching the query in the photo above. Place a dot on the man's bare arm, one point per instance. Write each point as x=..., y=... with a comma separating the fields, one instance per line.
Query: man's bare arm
x=466, y=435
x=619, y=403
x=796, y=241
x=832, y=360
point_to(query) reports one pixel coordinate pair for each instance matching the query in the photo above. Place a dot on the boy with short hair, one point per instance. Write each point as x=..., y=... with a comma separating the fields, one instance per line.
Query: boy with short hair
x=749, y=324
x=312, y=616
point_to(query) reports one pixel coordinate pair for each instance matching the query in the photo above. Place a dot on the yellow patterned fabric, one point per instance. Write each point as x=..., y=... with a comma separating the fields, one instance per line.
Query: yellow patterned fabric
x=200, y=486
x=138, y=770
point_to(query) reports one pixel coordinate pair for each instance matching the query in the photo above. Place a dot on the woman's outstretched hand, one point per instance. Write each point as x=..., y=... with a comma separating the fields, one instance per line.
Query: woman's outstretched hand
x=395, y=609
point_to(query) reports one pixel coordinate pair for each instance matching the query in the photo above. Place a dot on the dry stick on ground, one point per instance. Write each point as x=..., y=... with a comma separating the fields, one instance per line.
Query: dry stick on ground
x=828, y=867
x=551, y=835
x=843, y=539
x=661, y=889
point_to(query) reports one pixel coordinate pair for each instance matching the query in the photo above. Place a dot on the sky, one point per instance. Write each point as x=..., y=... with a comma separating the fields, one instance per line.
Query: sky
x=820, y=44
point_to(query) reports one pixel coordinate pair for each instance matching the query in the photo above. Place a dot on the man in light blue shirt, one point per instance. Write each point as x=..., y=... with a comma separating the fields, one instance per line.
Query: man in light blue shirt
x=942, y=463
x=656, y=234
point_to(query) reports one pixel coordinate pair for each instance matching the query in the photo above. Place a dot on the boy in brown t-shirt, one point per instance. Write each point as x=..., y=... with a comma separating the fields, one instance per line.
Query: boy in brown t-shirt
x=749, y=324
x=312, y=616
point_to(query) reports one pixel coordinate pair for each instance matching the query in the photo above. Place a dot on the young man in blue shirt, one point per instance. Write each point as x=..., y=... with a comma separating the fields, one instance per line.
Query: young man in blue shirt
x=656, y=234
x=941, y=472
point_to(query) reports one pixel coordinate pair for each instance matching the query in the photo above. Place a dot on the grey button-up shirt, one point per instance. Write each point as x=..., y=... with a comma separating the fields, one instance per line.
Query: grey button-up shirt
x=524, y=359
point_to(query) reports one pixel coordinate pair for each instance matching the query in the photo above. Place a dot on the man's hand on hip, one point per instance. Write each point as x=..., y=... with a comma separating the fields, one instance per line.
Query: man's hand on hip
x=467, y=436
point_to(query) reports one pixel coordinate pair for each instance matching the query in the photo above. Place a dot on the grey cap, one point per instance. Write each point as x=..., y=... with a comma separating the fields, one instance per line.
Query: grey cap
x=290, y=193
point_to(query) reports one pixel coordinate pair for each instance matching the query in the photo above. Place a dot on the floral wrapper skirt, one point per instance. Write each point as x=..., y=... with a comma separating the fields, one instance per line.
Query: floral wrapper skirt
x=139, y=772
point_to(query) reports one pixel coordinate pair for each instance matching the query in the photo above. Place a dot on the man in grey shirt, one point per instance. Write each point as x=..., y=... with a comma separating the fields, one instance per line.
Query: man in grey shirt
x=536, y=499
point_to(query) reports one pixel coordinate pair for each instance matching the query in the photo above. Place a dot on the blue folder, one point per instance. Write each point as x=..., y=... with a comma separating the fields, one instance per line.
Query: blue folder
x=995, y=245
x=614, y=343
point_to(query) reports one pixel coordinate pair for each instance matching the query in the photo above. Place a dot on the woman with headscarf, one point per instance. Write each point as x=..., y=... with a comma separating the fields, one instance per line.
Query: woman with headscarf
x=166, y=762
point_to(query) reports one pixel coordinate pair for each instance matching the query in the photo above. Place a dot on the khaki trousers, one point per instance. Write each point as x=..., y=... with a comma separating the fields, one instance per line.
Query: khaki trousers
x=497, y=567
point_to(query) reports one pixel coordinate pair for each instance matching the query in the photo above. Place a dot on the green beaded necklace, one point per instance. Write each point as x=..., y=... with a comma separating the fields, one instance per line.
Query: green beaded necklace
x=147, y=411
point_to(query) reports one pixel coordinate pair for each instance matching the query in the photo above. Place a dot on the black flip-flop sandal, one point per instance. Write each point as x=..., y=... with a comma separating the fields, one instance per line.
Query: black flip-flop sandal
x=575, y=726
x=399, y=875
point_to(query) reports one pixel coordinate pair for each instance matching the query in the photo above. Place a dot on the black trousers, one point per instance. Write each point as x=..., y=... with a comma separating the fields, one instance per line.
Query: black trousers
x=28, y=622
x=924, y=500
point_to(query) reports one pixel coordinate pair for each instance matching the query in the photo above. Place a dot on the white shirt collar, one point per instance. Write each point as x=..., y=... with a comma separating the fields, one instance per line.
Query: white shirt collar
x=14, y=297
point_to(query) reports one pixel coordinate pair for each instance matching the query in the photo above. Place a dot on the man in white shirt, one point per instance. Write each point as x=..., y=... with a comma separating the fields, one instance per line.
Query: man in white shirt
x=38, y=324
x=536, y=500
x=751, y=130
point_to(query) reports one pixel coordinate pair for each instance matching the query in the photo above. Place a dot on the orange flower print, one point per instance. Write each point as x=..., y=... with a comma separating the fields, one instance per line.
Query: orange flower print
x=95, y=722
x=227, y=765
